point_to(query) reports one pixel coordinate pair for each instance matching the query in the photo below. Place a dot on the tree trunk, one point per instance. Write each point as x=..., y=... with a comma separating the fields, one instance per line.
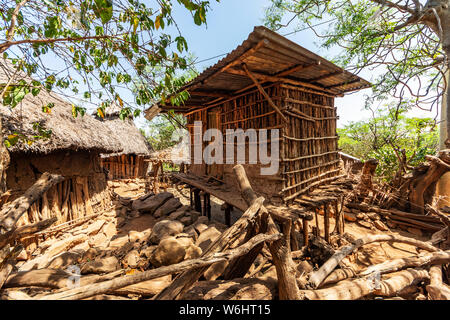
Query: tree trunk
x=4, y=161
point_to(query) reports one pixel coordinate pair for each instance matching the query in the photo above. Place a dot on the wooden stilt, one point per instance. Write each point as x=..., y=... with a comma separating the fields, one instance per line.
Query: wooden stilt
x=197, y=200
x=305, y=232
x=228, y=209
x=326, y=216
x=208, y=205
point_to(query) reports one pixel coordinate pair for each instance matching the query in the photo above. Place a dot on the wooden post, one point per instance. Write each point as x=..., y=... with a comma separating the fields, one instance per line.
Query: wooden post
x=326, y=216
x=208, y=205
x=305, y=232
x=228, y=209
x=197, y=200
x=191, y=197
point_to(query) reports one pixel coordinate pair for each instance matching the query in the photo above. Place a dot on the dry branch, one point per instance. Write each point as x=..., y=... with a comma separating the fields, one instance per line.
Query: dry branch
x=318, y=276
x=356, y=289
x=99, y=288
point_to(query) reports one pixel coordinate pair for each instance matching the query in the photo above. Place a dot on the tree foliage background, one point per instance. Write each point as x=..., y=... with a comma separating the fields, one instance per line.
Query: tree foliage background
x=397, y=141
x=407, y=43
x=95, y=52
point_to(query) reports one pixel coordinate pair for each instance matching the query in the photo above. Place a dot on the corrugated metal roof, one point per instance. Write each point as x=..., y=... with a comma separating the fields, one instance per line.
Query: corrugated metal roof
x=270, y=57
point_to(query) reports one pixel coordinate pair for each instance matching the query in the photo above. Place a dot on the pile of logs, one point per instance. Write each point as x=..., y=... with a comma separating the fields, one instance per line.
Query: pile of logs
x=186, y=256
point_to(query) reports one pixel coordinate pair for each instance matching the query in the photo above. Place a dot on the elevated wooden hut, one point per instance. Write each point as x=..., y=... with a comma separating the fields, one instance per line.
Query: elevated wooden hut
x=72, y=150
x=270, y=82
x=129, y=163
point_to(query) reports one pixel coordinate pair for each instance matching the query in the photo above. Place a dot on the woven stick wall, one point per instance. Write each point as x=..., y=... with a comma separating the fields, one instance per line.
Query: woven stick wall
x=308, y=140
x=124, y=166
x=71, y=199
x=310, y=154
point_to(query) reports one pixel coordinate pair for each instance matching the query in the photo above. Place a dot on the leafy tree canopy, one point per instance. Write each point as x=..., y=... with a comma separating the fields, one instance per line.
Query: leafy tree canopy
x=408, y=40
x=95, y=49
x=397, y=141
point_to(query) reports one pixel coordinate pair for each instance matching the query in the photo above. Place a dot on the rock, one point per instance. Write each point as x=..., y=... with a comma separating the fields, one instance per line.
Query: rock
x=105, y=265
x=190, y=230
x=194, y=215
x=82, y=246
x=168, y=207
x=178, y=214
x=361, y=216
x=380, y=225
x=350, y=216
x=186, y=220
x=415, y=231
x=202, y=219
x=131, y=259
x=365, y=224
x=169, y=251
x=90, y=254
x=119, y=240
x=150, y=204
x=193, y=252
x=200, y=227
x=65, y=259
x=136, y=236
x=147, y=252
x=219, y=226
x=373, y=216
x=165, y=228
x=91, y=229
x=207, y=237
x=110, y=230
x=99, y=240
x=184, y=239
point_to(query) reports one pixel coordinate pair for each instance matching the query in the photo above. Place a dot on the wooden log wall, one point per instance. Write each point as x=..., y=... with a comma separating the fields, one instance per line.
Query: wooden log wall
x=310, y=154
x=125, y=166
x=73, y=198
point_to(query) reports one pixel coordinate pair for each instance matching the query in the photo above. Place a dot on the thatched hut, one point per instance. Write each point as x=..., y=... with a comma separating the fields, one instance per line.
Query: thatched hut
x=129, y=163
x=72, y=150
x=269, y=82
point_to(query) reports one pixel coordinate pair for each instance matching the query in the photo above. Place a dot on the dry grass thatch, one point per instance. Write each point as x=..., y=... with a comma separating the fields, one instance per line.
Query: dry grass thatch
x=128, y=135
x=68, y=133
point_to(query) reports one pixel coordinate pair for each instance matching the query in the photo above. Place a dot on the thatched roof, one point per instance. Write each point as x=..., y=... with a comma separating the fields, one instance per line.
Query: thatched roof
x=68, y=133
x=126, y=133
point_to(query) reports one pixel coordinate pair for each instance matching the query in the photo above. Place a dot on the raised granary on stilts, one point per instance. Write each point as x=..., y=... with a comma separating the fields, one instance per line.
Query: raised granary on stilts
x=270, y=82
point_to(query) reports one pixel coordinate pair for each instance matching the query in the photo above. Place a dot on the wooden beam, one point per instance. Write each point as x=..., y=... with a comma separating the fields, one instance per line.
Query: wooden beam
x=265, y=77
x=296, y=68
x=343, y=84
x=263, y=92
x=210, y=94
x=325, y=76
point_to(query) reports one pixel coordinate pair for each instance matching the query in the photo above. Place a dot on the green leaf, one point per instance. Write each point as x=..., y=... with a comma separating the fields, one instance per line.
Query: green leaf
x=103, y=9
